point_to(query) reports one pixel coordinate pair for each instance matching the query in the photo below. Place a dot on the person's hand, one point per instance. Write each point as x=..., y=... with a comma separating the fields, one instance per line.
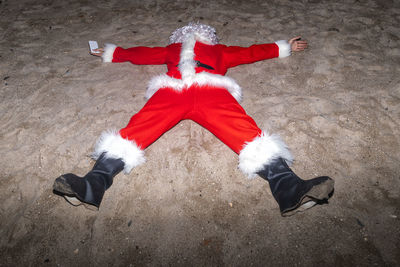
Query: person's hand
x=98, y=52
x=297, y=44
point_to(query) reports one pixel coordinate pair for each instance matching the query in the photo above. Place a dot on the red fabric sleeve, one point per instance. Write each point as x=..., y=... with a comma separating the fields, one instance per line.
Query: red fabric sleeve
x=141, y=55
x=236, y=55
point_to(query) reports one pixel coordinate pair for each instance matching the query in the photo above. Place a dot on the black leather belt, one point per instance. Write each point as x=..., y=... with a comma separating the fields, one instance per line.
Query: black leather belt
x=199, y=64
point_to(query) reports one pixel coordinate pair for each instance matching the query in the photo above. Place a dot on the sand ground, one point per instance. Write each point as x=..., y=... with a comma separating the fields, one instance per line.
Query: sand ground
x=336, y=105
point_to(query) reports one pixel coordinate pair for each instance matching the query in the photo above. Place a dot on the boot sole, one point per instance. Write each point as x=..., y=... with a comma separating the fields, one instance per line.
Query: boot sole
x=317, y=194
x=63, y=188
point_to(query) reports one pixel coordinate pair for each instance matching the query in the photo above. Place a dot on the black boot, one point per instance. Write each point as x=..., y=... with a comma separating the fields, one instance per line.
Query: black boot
x=90, y=188
x=291, y=192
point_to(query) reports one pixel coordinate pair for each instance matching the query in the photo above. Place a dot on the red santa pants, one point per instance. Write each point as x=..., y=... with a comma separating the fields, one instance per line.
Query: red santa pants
x=213, y=108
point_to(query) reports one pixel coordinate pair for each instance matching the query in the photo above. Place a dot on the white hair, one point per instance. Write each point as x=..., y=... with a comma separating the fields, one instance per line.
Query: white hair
x=202, y=33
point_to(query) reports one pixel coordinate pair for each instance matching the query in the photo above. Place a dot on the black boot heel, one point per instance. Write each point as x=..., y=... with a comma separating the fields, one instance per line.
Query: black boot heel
x=321, y=190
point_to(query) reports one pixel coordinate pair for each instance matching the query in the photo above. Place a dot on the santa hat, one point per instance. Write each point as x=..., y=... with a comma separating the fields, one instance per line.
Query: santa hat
x=203, y=33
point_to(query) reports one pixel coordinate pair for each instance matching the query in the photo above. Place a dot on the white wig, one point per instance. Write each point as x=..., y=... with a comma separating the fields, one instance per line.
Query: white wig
x=202, y=33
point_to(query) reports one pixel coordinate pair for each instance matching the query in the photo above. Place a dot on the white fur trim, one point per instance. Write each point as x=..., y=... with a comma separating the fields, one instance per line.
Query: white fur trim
x=187, y=67
x=187, y=64
x=203, y=78
x=108, y=52
x=119, y=148
x=284, y=48
x=262, y=151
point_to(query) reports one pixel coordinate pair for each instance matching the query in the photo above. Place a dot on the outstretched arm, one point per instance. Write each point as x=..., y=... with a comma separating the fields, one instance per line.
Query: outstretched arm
x=139, y=55
x=235, y=55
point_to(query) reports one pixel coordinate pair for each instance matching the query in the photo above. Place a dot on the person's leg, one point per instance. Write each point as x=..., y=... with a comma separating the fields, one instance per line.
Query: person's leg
x=163, y=111
x=218, y=111
x=115, y=152
x=259, y=153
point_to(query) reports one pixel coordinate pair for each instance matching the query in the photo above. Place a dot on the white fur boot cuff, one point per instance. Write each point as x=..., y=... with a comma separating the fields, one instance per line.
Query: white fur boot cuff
x=117, y=147
x=262, y=151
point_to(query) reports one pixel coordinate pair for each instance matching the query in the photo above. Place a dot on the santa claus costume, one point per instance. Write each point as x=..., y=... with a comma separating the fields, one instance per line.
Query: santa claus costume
x=196, y=88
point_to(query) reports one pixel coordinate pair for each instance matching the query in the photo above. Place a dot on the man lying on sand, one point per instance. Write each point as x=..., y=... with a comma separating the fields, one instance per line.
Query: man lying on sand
x=195, y=88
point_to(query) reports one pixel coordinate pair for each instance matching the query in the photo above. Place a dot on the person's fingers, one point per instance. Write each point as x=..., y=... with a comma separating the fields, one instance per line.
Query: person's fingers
x=298, y=46
x=294, y=39
x=302, y=45
x=97, y=54
x=296, y=49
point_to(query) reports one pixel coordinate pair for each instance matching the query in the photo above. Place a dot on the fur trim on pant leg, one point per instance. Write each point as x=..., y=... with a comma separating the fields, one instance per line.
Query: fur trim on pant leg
x=119, y=148
x=262, y=151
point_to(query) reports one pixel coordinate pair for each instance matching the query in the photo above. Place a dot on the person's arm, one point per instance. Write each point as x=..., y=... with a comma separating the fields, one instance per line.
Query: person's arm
x=136, y=55
x=235, y=55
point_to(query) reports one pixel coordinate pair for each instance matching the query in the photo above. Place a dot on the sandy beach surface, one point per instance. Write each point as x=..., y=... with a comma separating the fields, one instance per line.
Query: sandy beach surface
x=336, y=105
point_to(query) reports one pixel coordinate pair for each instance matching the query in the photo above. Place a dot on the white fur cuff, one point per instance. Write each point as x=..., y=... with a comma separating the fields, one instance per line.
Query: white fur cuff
x=108, y=52
x=262, y=151
x=201, y=79
x=284, y=48
x=117, y=147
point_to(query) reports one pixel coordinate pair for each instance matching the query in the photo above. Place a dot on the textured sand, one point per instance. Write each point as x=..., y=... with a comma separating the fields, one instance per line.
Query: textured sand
x=336, y=105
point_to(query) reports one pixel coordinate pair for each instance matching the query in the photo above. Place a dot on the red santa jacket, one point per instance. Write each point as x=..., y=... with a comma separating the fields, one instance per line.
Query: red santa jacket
x=193, y=62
